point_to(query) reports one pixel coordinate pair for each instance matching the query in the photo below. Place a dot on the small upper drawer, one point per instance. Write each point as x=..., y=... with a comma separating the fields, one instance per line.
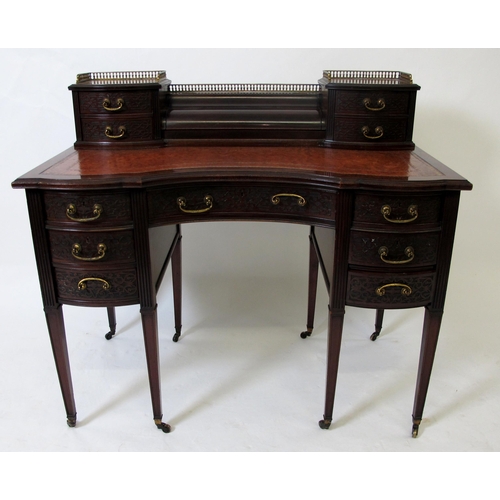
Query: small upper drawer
x=115, y=102
x=393, y=250
x=371, y=130
x=382, y=102
x=117, y=129
x=95, y=247
x=280, y=202
x=88, y=208
x=396, y=211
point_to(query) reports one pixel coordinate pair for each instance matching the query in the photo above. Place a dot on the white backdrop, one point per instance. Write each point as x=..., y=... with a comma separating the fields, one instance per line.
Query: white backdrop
x=230, y=279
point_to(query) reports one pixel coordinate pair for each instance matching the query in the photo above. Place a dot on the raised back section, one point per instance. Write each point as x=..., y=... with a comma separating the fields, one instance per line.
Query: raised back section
x=346, y=109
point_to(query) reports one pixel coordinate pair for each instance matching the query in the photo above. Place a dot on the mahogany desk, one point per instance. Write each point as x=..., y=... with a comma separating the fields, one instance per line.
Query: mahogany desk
x=106, y=223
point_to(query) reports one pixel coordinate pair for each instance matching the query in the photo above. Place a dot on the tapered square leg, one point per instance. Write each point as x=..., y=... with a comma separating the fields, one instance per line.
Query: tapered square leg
x=430, y=334
x=57, y=334
x=312, y=289
x=176, y=263
x=150, y=331
x=335, y=326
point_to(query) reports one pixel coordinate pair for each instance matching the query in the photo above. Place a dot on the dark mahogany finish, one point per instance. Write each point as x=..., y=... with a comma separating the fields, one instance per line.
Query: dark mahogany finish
x=345, y=109
x=382, y=229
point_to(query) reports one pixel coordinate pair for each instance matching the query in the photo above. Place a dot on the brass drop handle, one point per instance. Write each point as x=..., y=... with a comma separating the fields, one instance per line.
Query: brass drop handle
x=412, y=211
x=368, y=104
x=106, y=104
x=82, y=284
x=378, y=130
x=181, y=203
x=384, y=252
x=101, y=252
x=109, y=132
x=275, y=200
x=405, y=289
x=71, y=212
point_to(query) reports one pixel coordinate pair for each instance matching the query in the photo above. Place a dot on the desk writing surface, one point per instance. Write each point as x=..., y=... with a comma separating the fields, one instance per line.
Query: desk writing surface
x=348, y=168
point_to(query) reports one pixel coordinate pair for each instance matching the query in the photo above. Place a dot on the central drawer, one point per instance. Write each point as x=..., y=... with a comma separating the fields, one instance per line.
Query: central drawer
x=280, y=202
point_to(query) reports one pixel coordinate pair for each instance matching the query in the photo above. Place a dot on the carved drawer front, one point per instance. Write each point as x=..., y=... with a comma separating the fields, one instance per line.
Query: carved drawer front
x=88, y=287
x=370, y=129
x=115, y=130
x=84, y=247
x=370, y=102
x=88, y=209
x=389, y=290
x=393, y=250
x=115, y=102
x=397, y=212
x=279, y=202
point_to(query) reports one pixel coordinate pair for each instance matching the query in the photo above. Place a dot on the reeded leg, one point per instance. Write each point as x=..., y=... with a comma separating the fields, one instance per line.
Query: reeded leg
x=313, y=287
x=112, y=323
x=335, y=325
x=430, y=334
x=177, y=288
x=57, y=333
x=379, y=318
x=150, y=331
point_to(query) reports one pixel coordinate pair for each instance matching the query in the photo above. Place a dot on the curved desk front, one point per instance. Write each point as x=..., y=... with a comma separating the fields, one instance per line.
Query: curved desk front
x=106, y=223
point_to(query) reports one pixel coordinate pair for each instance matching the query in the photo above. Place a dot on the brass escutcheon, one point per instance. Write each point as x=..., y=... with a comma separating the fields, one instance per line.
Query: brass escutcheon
x=368, y=104
x=275, y=200
x=106, y=104
x=101, y=252
x=412, y=211
x=384, y=252
x=71, y=212
x=181, y=203
x=108, y=132
x=378, y=130
x=82, y=284
x=405, y=289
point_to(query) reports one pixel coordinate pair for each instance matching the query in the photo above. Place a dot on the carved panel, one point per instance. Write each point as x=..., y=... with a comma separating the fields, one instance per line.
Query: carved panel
x=119, y=246
x=362, y=290
x=368, y=208
x=243, y=200
x=365, y=246
x=95, y=130
x=92, y=102
x=351, y=129
x=115, y=207
x=352, y=102
x=122, y=285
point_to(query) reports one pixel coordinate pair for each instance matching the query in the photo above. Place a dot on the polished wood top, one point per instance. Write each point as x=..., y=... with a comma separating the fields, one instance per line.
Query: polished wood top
x=333, y=167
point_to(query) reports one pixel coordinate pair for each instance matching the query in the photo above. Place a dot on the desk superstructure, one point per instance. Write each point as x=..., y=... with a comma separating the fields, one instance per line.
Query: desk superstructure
x=106, y=220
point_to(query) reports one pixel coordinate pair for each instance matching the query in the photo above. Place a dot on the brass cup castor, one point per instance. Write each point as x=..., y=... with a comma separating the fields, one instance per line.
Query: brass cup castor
x=324, y=424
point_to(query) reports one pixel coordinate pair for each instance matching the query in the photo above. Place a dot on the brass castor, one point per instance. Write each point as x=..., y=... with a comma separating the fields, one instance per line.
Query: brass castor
x=374, y=335
x=306, y=334
x=162, y=426
x=176, y=337
x=324, y=424
x=414, y=431
x=110, y=335
x=71, y=422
